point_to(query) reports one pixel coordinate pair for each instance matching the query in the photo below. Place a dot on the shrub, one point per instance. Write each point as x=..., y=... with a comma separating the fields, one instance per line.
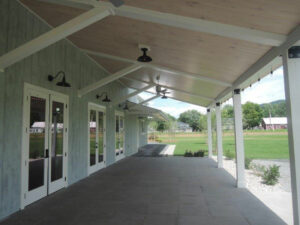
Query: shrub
x=188, y=154
x=271, y=175
x=199, y=153
x=247, y=163
x=229, y=155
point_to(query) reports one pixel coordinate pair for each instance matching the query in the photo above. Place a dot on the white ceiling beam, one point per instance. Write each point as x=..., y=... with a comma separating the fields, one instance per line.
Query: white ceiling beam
x=108, y=79
x=54, y=35
x=147, y=100
x=188, y=23
x=274, y=52
x=171, y=97
x=171, y=88
x=123, y=99
x=160, y=68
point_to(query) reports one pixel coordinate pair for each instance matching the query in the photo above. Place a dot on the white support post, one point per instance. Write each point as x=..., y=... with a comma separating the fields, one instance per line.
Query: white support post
x=54, y=35
x=239, y=139
x=209, y=134
x=291, y=65
x=219, y=135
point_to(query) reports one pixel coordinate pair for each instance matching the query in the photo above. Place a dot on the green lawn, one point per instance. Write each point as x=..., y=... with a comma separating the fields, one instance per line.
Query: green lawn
x=258, y=144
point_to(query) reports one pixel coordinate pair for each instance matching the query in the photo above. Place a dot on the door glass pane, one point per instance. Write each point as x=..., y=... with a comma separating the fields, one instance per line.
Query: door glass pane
x=57, y=134
x=92, y=137
x=117, y=135
x=121, y=134
x=36, y=142
x=100, y=136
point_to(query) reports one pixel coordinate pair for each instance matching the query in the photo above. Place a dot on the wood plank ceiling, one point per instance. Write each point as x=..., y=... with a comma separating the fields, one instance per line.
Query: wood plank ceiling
x=208, y=55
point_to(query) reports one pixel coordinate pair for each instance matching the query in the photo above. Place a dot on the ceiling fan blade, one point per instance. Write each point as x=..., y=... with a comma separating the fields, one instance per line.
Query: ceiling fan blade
x=116, y=3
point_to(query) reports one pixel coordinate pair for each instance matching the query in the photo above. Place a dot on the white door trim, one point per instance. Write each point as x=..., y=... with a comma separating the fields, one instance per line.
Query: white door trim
x=32, y=90
x=120, y=156
x=62, y=182
x=97, y=166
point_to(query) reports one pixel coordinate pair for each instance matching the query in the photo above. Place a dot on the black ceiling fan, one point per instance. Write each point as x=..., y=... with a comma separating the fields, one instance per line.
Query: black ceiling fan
x=159, y=89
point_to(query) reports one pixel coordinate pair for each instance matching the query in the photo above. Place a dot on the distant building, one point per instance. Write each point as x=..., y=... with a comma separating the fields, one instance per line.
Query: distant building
x=274, y=123
x=183, y=127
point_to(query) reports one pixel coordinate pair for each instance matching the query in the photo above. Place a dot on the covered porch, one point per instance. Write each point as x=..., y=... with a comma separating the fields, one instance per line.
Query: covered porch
x=70, y=75
x=149, y=191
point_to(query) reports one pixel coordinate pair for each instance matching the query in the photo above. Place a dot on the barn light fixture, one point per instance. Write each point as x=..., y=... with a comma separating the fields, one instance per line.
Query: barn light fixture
x=126, y=108
x=106, y=99
x=63, y=82
x=144, y=58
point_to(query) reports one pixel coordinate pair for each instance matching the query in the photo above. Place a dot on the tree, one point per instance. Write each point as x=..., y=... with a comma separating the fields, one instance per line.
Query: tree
x=252, y=115
x=161, y=125
x=276, y=109
x=192, y=118
x=227, y=111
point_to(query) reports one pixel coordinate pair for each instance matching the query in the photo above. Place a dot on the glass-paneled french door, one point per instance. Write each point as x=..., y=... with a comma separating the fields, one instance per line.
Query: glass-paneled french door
x=97, y=137
x=120, y=135
x=45, y=143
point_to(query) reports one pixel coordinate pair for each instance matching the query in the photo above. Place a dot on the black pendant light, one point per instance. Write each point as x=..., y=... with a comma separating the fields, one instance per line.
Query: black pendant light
x=144, y=57
x=63, y=82
x=164, y=96
x=106, y=99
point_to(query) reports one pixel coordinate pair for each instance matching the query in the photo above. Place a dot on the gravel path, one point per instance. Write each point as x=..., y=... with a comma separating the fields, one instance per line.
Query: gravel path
x=278, y=197
x=285, y=176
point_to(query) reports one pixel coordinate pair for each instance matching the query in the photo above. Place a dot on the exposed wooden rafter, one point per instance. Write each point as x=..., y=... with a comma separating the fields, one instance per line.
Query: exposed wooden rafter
x=54, y=35
x=108, y=79
x=134, y=93
x=172, y=88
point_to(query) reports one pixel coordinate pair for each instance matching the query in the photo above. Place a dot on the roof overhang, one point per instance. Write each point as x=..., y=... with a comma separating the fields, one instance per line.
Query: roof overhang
x=201, y=51
x=145, y=111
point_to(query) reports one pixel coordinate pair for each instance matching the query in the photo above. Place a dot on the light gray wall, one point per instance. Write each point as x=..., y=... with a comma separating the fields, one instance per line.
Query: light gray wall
x=18, y=26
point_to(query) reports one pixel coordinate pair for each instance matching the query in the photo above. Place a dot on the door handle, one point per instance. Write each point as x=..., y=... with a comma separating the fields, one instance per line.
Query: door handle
x=47, y=153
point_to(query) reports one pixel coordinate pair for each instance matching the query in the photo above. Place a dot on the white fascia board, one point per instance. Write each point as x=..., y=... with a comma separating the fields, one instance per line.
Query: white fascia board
x=108, y=79
x=54, y=35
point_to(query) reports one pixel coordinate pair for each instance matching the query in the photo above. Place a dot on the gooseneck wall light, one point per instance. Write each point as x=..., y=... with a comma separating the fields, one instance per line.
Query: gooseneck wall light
x=106, y=99
x=63, y=82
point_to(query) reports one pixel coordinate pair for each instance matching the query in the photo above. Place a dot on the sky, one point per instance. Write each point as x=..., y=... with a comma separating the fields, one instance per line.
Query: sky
x=268, y=89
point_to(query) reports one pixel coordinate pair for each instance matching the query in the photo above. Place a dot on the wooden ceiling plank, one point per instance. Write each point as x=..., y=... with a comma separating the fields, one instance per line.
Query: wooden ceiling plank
x=160, y=68
x=183, y=22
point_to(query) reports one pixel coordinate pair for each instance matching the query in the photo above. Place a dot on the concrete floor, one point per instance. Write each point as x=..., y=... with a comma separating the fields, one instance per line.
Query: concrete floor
x=151, y=190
